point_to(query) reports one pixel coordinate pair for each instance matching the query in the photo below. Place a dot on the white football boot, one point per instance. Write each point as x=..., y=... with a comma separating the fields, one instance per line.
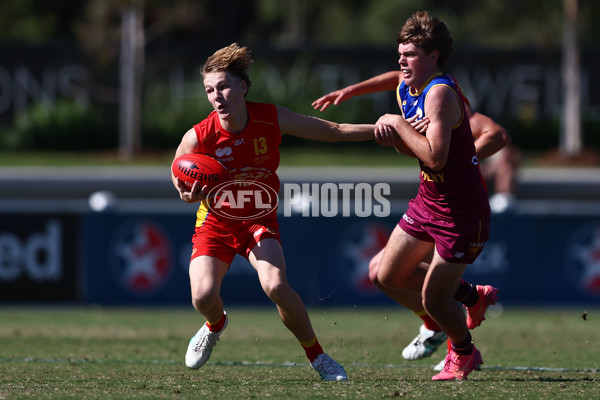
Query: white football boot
x=424, y=345
x=328, y=368
x=201, y=346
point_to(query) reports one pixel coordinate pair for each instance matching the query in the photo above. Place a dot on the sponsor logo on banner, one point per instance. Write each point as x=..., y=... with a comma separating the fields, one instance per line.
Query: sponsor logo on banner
x=141, y=257
x=356, y=248
x=583, y=259
x=38, y=256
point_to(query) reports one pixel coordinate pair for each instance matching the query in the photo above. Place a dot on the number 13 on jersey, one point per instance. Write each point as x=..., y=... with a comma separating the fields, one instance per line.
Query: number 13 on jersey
x=260, y=146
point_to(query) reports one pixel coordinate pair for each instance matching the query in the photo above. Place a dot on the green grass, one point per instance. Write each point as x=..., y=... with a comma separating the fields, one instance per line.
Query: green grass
x=321, y=155
x=81, y=353
x=68, y=159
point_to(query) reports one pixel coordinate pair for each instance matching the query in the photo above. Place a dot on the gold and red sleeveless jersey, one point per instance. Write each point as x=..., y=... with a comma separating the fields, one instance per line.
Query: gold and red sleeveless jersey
x=251, y=155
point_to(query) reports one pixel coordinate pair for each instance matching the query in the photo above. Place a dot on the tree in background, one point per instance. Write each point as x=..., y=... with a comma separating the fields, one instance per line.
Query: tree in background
x=295, y=25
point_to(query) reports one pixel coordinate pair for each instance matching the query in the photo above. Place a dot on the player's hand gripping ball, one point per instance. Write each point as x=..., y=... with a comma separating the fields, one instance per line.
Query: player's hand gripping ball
x=199, y=167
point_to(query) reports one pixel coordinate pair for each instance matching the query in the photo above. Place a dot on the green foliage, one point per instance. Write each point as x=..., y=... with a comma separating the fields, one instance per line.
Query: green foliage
x=535, y=136
x=492, y=23
x=544, y=135
x=166, y=117
x=64, y=125
x=295, y=85
x=32, y=21
x=300, y=26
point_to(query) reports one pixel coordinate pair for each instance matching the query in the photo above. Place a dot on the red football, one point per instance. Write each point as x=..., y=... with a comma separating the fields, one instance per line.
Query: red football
x=199, y=167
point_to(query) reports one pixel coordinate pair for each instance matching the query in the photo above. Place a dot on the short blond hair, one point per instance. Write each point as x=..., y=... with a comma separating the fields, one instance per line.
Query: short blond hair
x=234, y=59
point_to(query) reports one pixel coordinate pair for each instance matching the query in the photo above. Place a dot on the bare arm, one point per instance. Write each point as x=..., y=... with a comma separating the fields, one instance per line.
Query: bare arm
x=321, y=130
x=387, y=81
x=387, y=136
x=490, y=136
x=188, y=144
x=443, y=111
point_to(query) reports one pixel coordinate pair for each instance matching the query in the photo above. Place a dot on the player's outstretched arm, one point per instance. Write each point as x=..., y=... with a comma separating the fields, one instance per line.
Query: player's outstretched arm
x=387, y=81
x=321, y=130
x=490, y=136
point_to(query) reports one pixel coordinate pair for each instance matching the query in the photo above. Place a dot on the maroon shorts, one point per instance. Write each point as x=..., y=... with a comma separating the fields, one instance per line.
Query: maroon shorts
x=458, y=241
x=225, y=241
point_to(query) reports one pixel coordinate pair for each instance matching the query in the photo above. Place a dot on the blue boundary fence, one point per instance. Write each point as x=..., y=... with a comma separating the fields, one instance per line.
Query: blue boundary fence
x=141, y=259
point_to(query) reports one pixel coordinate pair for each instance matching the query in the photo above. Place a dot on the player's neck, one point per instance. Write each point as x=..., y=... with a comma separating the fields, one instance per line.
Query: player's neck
x=416, y=90
x=235, y=123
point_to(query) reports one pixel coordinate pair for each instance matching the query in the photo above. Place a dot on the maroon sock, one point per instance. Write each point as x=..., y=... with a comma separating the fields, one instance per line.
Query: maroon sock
x=464, y=347
x=466, y=294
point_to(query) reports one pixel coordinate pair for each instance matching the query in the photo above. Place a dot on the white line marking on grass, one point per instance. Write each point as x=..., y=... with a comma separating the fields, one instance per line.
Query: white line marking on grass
x=271, y=364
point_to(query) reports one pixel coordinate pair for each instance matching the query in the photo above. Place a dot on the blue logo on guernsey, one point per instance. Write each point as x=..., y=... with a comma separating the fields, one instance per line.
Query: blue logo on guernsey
x=224, y=154
x=583, y=259
x=221, y=152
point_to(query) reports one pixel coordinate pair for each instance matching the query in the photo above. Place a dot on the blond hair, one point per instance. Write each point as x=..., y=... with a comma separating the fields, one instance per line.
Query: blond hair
x=234, y=59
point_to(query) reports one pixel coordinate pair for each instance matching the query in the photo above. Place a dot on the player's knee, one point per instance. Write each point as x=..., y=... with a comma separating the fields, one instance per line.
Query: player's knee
x=203, y=300
x=386, y=280
x=275, y=289
x=393, y=278
x=432, y=304
x=431, y=307
x=375, y=281
x=373, y=268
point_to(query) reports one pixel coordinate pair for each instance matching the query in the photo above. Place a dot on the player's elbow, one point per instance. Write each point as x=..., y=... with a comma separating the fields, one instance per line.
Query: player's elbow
x=437, y=167
x=338, y=133
x=504, y=137
x=437, y=163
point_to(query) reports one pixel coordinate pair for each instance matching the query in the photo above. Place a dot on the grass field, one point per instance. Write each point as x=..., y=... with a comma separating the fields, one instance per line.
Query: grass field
x=322, y=154
x=93, y=353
